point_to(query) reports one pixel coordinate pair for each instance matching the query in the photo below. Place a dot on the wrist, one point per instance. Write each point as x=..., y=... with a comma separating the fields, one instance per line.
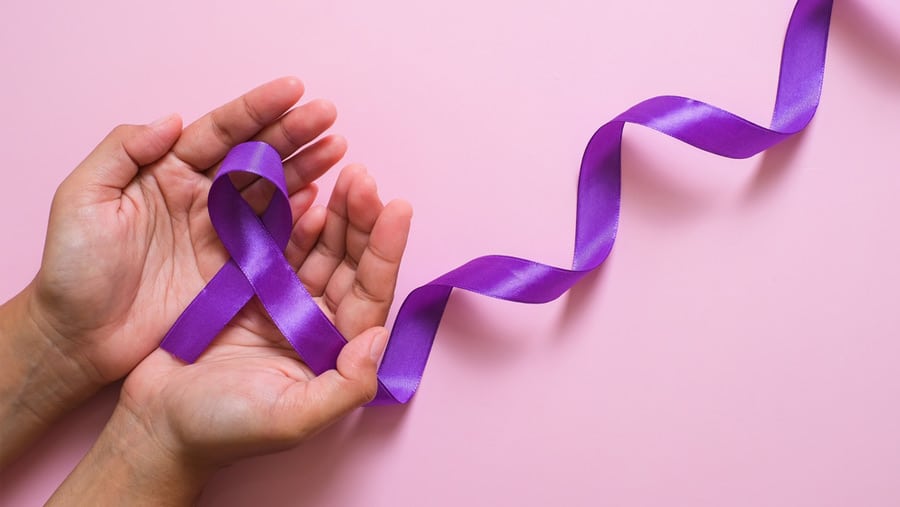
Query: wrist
x=39, y=382
x=129, y=465
x=69, y=347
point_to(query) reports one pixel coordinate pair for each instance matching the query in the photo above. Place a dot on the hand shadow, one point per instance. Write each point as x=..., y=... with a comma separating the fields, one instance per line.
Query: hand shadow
x=315, y=470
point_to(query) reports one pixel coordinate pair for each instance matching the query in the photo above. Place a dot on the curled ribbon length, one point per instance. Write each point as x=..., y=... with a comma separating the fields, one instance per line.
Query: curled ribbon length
x=256, y=244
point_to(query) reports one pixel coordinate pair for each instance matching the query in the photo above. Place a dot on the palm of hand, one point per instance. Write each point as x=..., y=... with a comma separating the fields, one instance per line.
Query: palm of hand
x=240, y=398
x=118, y=271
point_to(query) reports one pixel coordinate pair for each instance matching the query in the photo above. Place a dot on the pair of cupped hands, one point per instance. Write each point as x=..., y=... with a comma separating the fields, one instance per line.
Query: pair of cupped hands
x=130, y=244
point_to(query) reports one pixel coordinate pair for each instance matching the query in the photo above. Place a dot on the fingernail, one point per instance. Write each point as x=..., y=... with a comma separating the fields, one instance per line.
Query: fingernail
x=162, y=120
x=378, y=344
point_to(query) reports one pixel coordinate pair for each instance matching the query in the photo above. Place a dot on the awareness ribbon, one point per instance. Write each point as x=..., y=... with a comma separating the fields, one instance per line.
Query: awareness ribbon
x=256, y=244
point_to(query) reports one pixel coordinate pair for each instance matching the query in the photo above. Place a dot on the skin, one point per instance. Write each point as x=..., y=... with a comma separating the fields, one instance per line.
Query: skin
x=130, y=243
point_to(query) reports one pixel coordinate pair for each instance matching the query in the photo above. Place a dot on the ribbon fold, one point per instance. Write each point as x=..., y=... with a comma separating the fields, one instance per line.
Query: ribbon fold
x=256, y=244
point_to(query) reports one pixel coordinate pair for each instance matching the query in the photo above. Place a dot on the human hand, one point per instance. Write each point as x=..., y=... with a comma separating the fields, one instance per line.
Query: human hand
x=130, y=243
x=249, y=393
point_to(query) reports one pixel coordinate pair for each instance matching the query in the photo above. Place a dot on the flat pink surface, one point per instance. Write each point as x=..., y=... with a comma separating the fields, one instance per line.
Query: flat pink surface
x=739, y=348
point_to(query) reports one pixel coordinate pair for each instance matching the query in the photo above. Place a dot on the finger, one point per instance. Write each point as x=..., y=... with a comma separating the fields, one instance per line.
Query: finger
x=299, y=127
x=363, y=208
x=379, y=264
x=206, y=141
x=114, y=163
x=304, y=236
x=299, y=171
x=314, y=405
x=295, y=129
x=311, y=163
x=329, y=251
x=369, y=299
x=301, y=202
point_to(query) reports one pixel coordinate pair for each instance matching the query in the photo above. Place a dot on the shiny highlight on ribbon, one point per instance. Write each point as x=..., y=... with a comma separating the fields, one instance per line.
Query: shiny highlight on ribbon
x=256, y=244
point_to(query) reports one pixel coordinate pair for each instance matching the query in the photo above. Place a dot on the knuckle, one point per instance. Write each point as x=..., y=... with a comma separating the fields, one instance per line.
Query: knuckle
x=364, y=294
x=221, y=130
x=368, y=390
x=252, y=112
x=121, y=131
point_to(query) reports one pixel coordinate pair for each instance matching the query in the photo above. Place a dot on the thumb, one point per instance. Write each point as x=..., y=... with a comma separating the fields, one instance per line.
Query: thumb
x=357, y=363
x=119, y=156
x=334, y=393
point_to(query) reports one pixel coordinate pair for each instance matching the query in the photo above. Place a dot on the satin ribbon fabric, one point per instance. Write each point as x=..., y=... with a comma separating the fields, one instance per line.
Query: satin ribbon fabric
x=256, y=244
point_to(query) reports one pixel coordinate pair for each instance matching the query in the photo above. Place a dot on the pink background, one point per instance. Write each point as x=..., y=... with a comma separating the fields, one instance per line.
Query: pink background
x=739, y=348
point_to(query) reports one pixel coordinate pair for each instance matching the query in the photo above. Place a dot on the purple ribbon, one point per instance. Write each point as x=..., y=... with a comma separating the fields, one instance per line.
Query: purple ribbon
x=256, y=244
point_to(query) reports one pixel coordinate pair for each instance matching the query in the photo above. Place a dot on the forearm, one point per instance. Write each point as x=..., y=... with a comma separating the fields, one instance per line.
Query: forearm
x=128, y=466
x=38, y=383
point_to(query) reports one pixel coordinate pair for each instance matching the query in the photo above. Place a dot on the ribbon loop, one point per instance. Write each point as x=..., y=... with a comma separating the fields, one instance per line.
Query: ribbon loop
x=257, y=266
